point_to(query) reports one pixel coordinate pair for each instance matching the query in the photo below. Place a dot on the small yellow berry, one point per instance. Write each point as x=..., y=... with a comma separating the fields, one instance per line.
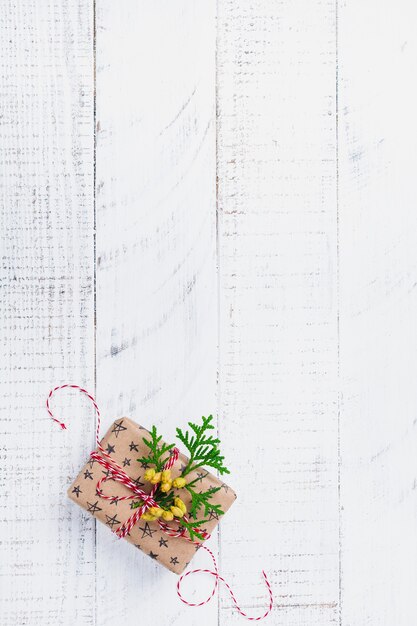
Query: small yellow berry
x=156, y=478
x=156, y=511
x=179, y=482
x=167, y=516
x=177, y=511
x=166, y=476
x=149, y=474
x=180, y=504
x=165, y=487
x=148, y=517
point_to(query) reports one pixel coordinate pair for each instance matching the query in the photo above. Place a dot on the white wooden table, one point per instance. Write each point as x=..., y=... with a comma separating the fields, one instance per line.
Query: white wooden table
x=213, y=209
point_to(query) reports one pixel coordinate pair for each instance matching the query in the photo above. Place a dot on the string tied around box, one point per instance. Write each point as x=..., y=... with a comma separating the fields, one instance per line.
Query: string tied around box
x=116, y=473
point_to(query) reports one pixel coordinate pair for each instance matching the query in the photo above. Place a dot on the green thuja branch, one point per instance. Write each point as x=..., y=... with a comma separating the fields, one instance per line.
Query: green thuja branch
x=202, y=499
x=192, y=528
x=156, y=450
x=203, y=448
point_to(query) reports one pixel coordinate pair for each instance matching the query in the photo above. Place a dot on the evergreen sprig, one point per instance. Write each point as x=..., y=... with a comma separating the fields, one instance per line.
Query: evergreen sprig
x=156, y=451
x=203, y=449
x=202, y=499
x=192, y=528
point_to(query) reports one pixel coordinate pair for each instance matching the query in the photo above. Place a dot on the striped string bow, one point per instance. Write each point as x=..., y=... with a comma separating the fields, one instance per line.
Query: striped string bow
x=116, y=472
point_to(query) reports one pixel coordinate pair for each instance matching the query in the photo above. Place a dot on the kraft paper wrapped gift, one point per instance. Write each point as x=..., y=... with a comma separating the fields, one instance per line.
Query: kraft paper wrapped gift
x=124, y=443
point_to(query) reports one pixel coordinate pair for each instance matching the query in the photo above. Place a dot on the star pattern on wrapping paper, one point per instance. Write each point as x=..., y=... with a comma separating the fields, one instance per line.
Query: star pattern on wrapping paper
x=126, y=462
x=93, y=508
x=110, y=449
x=133, y=446
x=107, y=473
x=118, y=428
x=146, y=530
x=77, y=491
x=137, y=481
x=152, y=555
x=197, y=546
x=225, y=487
x=174, y=560
x=88, y=474
x=213, y=515
x=114, y=500
x=91, y=463
x=112, y=521
x=182, y=468
x=163, y=542
x=200, y=476
x=144, y=465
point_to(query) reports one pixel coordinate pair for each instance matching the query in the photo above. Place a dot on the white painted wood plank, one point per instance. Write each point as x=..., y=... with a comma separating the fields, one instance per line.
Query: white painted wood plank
x=156, y=264
x=278, y=305
x=46, y=230
x=378, y=309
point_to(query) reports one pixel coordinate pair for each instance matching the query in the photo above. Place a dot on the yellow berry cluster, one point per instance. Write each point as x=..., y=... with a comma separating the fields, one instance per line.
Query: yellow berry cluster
x=165, y=482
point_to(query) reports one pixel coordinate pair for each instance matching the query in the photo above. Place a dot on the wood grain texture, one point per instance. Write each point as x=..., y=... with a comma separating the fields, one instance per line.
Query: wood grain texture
x=378, y=308
x=289, y=310
x=278, y=398
x=47, y=570
x=156, y=262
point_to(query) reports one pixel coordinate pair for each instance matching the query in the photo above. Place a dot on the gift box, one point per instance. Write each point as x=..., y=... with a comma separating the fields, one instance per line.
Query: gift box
x=124, y=444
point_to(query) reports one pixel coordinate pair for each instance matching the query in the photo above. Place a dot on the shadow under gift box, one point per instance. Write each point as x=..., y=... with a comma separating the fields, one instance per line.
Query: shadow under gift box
x=124, y=443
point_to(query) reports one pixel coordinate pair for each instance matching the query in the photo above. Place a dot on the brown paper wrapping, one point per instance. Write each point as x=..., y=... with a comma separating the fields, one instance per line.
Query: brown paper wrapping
x=124, y=442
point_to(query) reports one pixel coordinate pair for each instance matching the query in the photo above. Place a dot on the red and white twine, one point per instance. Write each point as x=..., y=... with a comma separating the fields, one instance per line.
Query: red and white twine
x=116, y=472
